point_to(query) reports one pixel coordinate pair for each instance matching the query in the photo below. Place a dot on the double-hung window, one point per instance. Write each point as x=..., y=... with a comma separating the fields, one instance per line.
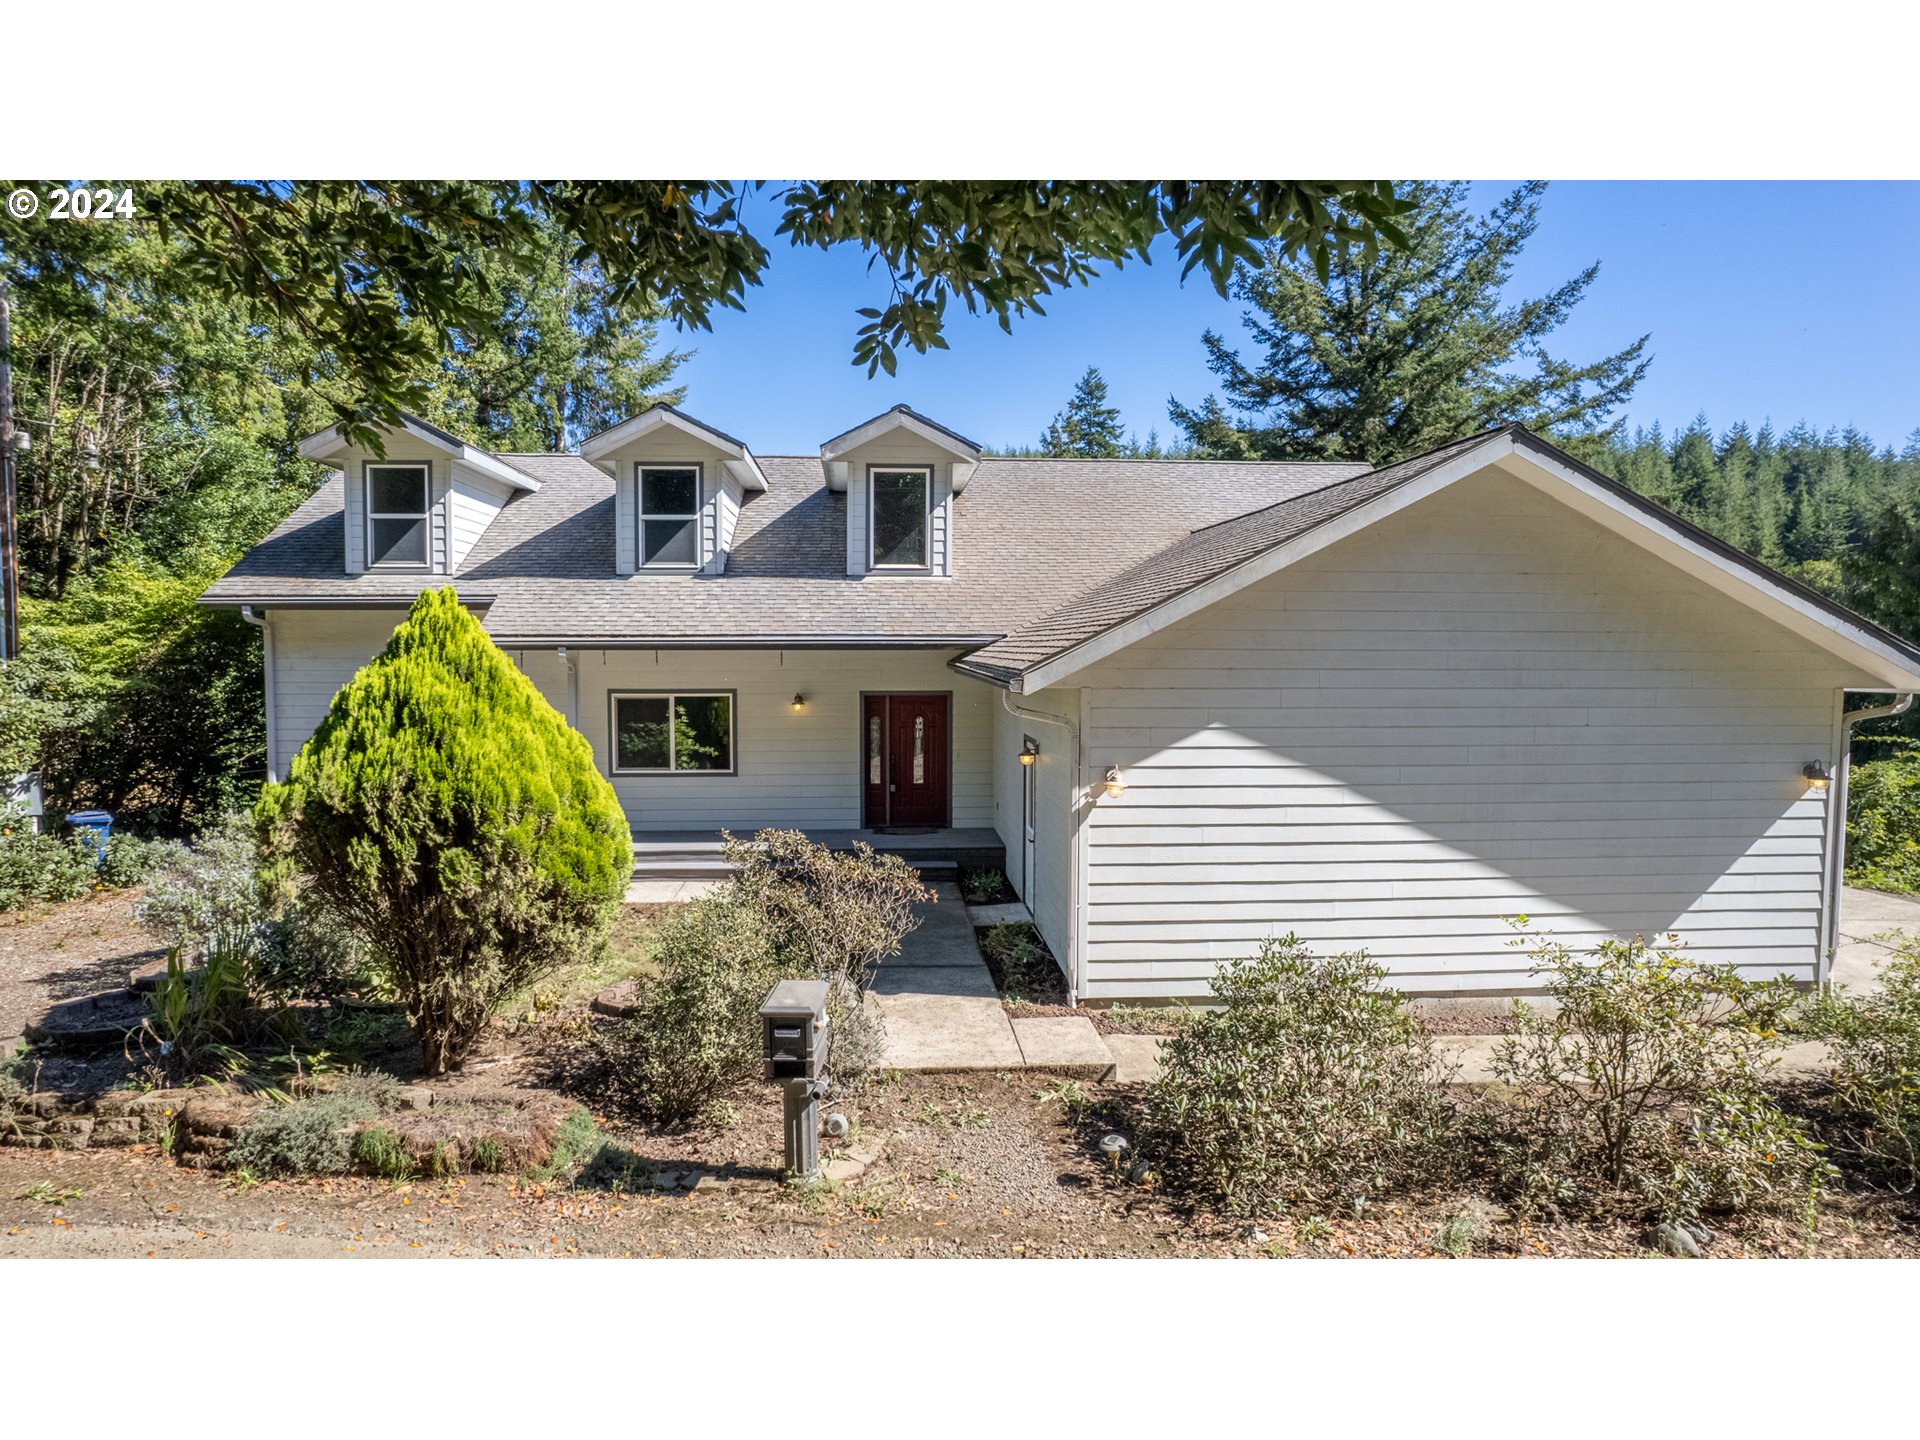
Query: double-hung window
x=397, y=509
x=681, y=732
x=897, y=525
x=670, y=517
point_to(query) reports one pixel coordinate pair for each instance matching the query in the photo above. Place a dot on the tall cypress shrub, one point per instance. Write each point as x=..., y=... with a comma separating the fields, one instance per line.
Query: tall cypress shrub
x=451, y=816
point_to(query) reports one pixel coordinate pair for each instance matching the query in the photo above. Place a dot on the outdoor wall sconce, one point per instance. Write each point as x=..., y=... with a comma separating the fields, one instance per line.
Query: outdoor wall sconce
x=1817, y=777
x=799, y=703
x=1029, y=753
x=1113, y=784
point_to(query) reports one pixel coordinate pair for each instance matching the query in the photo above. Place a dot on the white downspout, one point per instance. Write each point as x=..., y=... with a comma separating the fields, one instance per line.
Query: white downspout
x=1074, y=918
x=573, y=685
x=273, y=729
x=1837, y=820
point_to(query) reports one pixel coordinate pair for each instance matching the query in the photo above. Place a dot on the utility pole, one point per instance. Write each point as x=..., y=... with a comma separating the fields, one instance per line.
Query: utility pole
x=9, y=524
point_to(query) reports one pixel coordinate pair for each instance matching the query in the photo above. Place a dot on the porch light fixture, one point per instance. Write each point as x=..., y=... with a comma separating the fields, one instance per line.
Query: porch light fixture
x=1817, y=777
x=1113, y=784
x=1029, y=753
x=799, y=703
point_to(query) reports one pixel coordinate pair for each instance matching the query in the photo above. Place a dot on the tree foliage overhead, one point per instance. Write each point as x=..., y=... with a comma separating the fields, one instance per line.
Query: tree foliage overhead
x=376, y=277
x=1391, y=350
x=163, y=423
x=457, y=823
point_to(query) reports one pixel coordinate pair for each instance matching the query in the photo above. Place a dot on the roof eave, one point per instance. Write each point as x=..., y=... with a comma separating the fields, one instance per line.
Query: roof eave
x=328, y=446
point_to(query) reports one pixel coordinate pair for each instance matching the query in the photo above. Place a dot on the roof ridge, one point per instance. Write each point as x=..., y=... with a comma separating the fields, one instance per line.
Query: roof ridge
x=1378, y=471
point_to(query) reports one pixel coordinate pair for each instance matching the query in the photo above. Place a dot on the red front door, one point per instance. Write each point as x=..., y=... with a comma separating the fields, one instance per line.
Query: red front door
x=903, y=742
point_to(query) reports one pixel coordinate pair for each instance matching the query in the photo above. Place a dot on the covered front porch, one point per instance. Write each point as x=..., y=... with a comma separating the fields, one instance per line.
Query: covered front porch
x=885, y=745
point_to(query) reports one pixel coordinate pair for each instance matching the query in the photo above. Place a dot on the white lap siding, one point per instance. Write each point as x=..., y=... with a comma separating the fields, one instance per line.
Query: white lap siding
x=1048, y=898
x=794, y=769
x=315, y=652
x=1483, y=707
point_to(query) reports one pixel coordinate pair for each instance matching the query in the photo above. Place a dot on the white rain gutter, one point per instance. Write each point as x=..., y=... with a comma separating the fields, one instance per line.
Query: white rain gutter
x=1837, y=821
x=266, y=636
x=1075, y=924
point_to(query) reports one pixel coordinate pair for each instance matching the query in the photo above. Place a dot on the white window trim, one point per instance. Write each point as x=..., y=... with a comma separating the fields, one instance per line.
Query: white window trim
x=368, y=514
x=925, y=472
x=672, y=697
x=640, y=561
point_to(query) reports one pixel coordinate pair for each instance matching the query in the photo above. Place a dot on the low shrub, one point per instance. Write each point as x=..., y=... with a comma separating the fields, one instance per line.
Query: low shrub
x=208, y=906
x=378, y=1151
x=1310, y=1084
x=1874, y=1091
x=42, y=867
x=129, y=860
x=206, y=896
x=1883, y=820
x=1022, y=967
x=985, y=887
x=828, y=912
x=698, y=1034
x=1643, y=1088
x=1465, y=1231
x=309, y=1136
x=307, y=952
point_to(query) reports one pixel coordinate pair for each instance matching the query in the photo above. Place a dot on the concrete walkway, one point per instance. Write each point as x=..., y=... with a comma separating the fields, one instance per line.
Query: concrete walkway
x=1871, y=925
x=943, y=1013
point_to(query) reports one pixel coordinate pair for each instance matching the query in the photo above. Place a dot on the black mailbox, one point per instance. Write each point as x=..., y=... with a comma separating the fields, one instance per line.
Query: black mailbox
x=793, y=1030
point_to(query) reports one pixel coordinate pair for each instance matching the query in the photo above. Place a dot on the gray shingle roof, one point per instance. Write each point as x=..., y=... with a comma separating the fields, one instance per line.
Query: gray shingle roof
x=1028, y=536
x=1193, y=560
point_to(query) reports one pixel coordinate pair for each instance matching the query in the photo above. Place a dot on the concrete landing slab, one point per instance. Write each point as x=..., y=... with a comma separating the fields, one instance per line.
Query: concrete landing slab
x=948, y=1032
x=669, y=892
x=1063, y=1045
x=1014, y=914
x=965, y=981
x=1856, y=965
x=1136, y=1058
x=1865, y=912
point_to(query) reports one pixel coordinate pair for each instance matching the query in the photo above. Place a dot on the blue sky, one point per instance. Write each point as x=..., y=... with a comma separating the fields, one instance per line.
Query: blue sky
x=1787, y=301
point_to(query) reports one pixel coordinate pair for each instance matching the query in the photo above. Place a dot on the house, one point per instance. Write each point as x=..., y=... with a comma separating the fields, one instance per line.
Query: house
x=1191, y=703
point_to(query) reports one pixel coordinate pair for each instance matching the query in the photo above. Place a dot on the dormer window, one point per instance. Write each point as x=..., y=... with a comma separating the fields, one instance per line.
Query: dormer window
x=901, y=500
x=900, y=473
x=397, y=507
x=669, y=517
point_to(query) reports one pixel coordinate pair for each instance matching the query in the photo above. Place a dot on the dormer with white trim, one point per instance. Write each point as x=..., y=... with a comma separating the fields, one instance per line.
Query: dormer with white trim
x=421, y=505
x=678, y=486
x=899, y=472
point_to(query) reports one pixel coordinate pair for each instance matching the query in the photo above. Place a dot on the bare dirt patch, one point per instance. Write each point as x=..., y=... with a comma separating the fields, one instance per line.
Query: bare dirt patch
x=965, y=1167
x=50, y=953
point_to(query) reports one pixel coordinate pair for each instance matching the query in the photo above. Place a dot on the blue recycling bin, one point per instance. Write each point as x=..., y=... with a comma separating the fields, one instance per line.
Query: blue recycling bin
x=93, y=828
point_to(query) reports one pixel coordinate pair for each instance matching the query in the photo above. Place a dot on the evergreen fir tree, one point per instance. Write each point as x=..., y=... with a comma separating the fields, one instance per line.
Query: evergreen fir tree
x=1393, y=351
x=1089, y=427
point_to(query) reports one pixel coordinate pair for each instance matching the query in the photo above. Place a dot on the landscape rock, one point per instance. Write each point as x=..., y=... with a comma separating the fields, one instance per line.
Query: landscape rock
x=519, y=1126
x=1675, y=1240
x=620, y=1001
x=218, y=1113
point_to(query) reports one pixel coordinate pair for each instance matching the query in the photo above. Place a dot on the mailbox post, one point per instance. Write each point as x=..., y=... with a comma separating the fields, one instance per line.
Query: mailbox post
x=793, y=1033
